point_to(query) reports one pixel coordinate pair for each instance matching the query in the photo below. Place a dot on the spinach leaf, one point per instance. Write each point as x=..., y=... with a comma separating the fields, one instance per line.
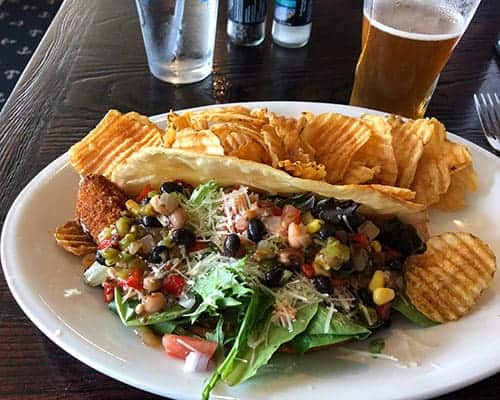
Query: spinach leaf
x=226, y=366
x=403, y=305
x=264, y=339
x=126, y=312
x=164, y=327
x=322, y=331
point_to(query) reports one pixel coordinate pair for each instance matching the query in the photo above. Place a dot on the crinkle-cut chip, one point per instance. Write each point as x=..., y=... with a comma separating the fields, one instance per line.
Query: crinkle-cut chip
x=289, y=129
x=446, y=281
x=227, y=114
x=432, y=177
x=408, y=149
x=73, y=239
x=462, y=181
x=305, y=170
x=112, y=141
x=399, y=193
x=378, y=152
x=335, y=139
x=251, y=151
x=200, y=141
x=358, y=173
x=223, y=129
x=155, y=165
x=456, y=155
x=274, y=145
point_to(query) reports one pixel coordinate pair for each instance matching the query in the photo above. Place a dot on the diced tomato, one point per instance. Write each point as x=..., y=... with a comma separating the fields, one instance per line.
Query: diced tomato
x=337, y=282
x=277, y=210
x=308, y=270
x=290, y=214
x=180, y=346
x=384, y=311
x=143, y=194
x=134, y=279
x=109, y=291
x=360, y=238
x=197, y=246
x=107, y=243
x=174, y=284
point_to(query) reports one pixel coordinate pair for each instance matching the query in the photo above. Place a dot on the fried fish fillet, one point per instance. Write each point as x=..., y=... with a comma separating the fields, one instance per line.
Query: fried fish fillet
x=446, y=281
x=99, y=203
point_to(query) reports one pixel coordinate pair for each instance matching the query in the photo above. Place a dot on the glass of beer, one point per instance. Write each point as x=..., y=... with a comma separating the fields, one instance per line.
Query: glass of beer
x=405, y=45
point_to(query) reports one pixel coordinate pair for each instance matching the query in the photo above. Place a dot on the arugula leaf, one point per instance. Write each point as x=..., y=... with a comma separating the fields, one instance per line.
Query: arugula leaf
x=264, y=339
x=403, y=305
x=324, y=330
x=126, y=312
x=227, y=365
x=164, y=327
x=221, y=286
x=201, y=192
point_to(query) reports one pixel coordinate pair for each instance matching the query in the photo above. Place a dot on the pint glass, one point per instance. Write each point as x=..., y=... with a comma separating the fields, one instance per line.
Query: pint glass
x=405, y=45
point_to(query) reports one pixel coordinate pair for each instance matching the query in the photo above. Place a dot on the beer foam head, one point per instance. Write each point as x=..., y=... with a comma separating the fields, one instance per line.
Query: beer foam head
x=415, y=19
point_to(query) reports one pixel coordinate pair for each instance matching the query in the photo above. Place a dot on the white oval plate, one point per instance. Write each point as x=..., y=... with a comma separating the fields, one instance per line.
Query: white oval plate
x=448, y=357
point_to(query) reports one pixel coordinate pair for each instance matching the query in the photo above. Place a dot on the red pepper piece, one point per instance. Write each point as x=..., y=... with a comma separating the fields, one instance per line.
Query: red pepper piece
x=174, y=284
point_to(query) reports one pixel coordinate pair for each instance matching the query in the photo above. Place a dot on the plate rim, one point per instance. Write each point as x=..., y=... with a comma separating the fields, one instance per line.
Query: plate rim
x=60, y=162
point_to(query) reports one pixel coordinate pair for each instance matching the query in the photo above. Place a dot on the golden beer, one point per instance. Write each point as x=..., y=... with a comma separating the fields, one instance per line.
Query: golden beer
x=405, y=45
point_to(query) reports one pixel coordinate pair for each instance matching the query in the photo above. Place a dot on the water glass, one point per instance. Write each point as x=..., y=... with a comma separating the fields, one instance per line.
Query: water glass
x=179, y=38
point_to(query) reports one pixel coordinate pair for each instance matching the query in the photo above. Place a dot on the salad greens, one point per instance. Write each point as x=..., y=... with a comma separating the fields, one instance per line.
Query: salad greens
x=327, y=328
x=403, y=305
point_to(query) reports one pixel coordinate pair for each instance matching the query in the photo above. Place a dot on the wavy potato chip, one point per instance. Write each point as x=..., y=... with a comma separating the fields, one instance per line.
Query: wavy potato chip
x=358, y=173
x=112, y=141
x=154, y=165
x=377, y=153
x=305, y=170
x=335, y=139
x=408, y=149
x=447, y=280
x=274, y=145
x=462, y=181
x=74, y=240
x=432, y=177
x=200, y=141
x=457, y=156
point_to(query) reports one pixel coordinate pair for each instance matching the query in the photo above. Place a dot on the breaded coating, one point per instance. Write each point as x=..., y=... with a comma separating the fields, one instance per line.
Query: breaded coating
x=99, y=204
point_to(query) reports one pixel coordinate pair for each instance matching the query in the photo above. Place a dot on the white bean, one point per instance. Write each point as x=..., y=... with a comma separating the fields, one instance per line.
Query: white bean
x=177, y=218
x=154, y=302
x=150, y=283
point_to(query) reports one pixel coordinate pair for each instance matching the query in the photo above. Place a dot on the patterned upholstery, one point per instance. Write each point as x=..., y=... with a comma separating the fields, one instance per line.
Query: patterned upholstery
x=22, y=25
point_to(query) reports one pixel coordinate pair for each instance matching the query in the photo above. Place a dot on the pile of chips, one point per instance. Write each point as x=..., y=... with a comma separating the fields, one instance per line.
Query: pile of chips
x=410, y=154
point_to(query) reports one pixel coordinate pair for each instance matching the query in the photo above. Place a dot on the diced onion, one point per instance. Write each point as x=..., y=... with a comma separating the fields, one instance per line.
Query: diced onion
x=148, y=243
x=369, y=229
x=187, y=301
x=196, y=362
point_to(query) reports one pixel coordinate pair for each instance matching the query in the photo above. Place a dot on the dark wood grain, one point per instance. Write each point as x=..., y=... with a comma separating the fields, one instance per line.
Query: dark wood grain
x=92, y=59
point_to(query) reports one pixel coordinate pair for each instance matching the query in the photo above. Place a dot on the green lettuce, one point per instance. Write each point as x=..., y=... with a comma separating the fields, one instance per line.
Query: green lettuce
x=403, y=305
x=322, y=331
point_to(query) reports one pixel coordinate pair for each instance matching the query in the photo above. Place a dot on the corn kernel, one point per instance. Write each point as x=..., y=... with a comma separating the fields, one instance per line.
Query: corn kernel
x=148, y=210
x=376, y=246
x=314, y=226
x=377, y=281
x=383, y=296
x=133, y=207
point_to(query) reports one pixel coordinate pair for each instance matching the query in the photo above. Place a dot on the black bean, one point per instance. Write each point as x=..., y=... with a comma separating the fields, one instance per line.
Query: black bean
x=326, y=231
x=170, y=187
x=256, y=230
x=150, y=222
x=365, y=296
x=323, y=284
x=145, y=200
x=100, y=258
x=183, y=237
x=273, y=277
x=232, y=245
x=401, y=237
x=158, y=255
x=395, y=265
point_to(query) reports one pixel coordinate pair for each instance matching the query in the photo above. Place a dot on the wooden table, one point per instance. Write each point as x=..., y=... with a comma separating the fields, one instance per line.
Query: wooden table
x=92, y=59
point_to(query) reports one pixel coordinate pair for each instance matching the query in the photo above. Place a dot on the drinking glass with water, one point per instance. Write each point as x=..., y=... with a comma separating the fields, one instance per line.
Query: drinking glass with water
x=179, y=37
